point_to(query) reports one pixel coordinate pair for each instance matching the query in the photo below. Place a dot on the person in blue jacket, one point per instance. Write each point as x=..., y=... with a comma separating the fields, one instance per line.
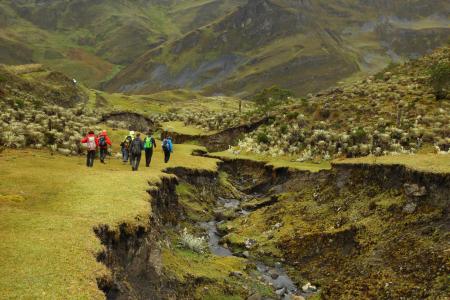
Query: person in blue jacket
x=167, y=147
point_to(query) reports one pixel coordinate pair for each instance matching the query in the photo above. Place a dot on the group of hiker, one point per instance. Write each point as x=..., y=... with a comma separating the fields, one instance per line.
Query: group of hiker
x=131, y=148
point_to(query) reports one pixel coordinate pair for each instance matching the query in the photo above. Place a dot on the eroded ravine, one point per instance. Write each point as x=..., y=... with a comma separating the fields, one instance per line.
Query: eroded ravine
x=288, y=227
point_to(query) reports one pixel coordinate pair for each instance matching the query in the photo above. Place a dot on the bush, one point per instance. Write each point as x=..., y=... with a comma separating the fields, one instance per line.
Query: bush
x=440, y=79
x=271, y=97
x=263, y=138
x=193, y=243
x=359, y=135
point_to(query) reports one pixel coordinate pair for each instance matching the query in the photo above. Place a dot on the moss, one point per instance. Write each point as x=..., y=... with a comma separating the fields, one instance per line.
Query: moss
x=195, y=207
x=208, y=271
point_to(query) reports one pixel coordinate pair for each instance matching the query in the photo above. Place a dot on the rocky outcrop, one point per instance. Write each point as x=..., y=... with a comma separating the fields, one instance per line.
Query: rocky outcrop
x=134, y=121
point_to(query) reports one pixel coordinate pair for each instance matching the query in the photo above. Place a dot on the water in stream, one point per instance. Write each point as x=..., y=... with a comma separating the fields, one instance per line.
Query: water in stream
x=274, y=276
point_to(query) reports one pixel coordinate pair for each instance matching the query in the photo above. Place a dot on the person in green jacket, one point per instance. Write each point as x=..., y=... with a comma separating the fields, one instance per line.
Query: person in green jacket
x=149, y=145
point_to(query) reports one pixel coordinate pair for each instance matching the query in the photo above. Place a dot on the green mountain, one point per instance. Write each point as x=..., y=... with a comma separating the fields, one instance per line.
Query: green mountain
x=226, y=46
x=301, y=45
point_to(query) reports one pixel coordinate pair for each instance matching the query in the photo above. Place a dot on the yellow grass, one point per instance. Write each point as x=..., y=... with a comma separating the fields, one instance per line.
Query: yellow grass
x=179, y=127
x=434, y=163
x=277, y=162
x=49, y=206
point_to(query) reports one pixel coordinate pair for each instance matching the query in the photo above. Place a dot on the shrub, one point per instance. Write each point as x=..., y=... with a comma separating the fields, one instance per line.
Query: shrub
x=271, y=97
x=440, y=79
x=263, y=138
x=193, y=243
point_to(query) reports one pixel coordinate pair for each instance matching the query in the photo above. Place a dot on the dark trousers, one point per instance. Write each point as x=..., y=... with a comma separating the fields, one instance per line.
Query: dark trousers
x=166, y=156
x=148, y=156
x=135, y=161
x=124, y=154
x=103, y=153
x=90, y=158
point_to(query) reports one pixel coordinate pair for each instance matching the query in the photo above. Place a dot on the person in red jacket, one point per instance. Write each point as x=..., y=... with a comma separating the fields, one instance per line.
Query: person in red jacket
x=103, y=142
x=91, y=142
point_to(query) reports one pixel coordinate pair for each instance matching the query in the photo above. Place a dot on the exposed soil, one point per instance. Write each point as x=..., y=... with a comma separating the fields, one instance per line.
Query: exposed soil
x=357, y=231
x=133, y=120
x=219, y=141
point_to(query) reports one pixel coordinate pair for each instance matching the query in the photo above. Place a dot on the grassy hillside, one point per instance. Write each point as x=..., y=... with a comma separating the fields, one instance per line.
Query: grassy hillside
x=47, y=218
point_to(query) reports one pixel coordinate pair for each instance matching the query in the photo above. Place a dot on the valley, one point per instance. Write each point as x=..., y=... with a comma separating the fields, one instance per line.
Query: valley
x=311, y=149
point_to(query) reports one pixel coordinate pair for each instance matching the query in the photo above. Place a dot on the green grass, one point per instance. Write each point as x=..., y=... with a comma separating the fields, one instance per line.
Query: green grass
x=277, y=162
x=434, y=163
x=179, y=127
x=49, y=206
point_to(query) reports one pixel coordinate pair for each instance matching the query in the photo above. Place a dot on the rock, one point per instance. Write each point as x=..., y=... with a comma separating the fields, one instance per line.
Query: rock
x=278, y=265
x=309, y=288
x=414, y=190
x=256, y=296
x=277, y=226
x=274, y=274
x=409, y=208
x=246, y=254
x=280, y=292
x=237, y=274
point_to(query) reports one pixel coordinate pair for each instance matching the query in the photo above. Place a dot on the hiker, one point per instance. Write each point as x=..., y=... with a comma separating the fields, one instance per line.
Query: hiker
x=167, y=147
x=149, y=145
x=136, y=151
x=125, y=146
x=91, y=142
x=103, y=142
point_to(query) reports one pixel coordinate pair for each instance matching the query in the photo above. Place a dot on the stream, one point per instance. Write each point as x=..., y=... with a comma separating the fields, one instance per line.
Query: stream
x=274, y=276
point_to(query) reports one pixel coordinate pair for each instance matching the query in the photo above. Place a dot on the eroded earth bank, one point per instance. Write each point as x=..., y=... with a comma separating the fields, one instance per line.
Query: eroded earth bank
x=354, y=232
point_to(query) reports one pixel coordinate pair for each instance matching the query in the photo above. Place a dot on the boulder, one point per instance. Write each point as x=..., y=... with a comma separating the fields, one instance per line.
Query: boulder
x=409, y=208
x=414, y=190
x=309, y=288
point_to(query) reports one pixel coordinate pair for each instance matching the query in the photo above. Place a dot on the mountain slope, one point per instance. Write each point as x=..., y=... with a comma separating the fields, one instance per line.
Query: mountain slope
x=304, y=46
x=219, y=46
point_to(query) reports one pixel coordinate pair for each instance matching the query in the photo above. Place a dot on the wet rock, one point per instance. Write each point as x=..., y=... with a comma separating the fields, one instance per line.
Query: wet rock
x=414, y=190
x=309, y=288
x=280, y=292
x=256, y=296
x=246, y=254
x=409, y=208
x=274, y=274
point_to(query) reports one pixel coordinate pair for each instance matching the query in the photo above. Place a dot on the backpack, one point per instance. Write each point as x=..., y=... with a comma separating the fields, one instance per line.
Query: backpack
x=148, y=144
x=91, y=143
x=136, y=146
x=165, y=145
x=102, y=141
x=127, y=142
